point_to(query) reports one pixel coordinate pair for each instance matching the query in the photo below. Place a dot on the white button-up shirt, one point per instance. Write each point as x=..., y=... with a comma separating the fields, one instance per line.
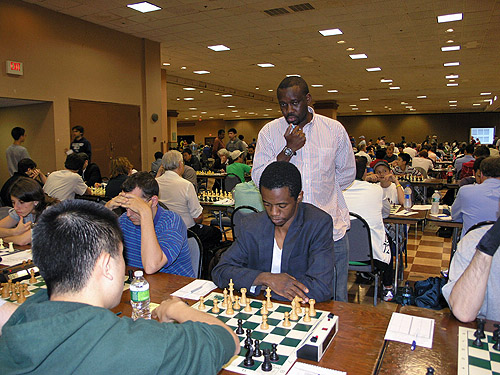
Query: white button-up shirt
x=326, y=163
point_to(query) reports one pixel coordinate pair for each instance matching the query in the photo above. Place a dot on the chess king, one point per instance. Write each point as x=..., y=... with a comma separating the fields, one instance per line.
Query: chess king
x=80, y=335
x=288, y=247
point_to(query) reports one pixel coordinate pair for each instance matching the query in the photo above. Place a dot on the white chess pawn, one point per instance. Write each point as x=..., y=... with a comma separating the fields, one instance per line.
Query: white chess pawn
x=11, y=247
x=1, y=244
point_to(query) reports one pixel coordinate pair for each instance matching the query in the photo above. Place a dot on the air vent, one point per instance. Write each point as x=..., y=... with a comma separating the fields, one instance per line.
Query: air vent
x=276, y=12
x=301, y=7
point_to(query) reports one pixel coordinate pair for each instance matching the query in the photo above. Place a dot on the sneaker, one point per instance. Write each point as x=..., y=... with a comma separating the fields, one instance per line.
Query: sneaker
x=444, y=273
x=388, y=294
x=365, y=276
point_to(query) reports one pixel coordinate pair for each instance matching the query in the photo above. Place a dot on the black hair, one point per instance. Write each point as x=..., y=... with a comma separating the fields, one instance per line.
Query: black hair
x=380, y=154
x=28, y=190
x=482, y=151
x=281, y=174
x=69, y=238
x=360, y=167
x=78, y=128
x=221, y=131
x=477, y=163
x=144, y=181
x=17, y=132
x=84, y=156
x=241, y=137
x=294, y=81
x=24, y=164
x=74, y=162
x=232, y=130
x=187, y=150
x=405, y=157
x=490, y=167
x=158, y=155
x=469, y=149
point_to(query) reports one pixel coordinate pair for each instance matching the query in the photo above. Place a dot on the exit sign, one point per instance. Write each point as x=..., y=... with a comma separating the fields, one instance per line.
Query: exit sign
x=14, y=67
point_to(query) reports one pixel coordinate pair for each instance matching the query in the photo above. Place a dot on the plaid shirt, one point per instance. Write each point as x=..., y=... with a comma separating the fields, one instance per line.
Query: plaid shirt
x=326, y=163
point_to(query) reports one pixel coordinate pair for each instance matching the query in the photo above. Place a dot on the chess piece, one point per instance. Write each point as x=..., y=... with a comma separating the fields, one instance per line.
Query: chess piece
x=248, y=308
x=224, y=302
x=298, y=308
x=22, y=297
x=5, y=291
x=243, y=300
x=201, y=306
x=2, y=247
x=239, y=329
x=264, y=326
x=248, y=340
x=264, y=310
x=269, y=304
x=274, y=357
x=307, y=317
x=293, y=313
x=266, y=365
x=237, y=305
x=257, y=352
x=248, y=361
x=229, y=310
x=11, y=247
x=231, y=290
x=13, y=297
x=312, y=310
x=216, y=309
x=480, y=328
x=477, y=342
x=286, y=322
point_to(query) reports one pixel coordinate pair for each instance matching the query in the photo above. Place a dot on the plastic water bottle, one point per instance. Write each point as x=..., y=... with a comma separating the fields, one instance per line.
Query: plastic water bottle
x=435, y=203
x=139, y=297
x=408, y=201
x=406, y=300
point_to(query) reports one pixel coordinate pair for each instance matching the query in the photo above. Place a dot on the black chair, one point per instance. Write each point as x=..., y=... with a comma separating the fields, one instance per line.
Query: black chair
x=163, y=205
x=238, y=215
x=360, y=250
x=196, y=251
x=230, y=182
x=481, y=224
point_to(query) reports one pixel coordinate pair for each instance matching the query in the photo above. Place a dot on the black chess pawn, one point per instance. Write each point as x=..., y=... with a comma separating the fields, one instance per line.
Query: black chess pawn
x=477, y=342
x=257, y=351
x=430, y=371
x=240, y=330
x=480, y=328
x=249, y=340
x=274, y=357
x=496, y=337
x=248, y=361
x=266, y=365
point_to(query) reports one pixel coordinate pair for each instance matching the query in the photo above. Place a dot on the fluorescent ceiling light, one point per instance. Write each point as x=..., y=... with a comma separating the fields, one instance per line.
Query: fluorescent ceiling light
x=226, y=95
x=486, y=100
x=404, y=103
x=455, y=63
x=269, y=109
x=422, y=97
x=330, y=32
x=368, y=110
x=183, y=68
x=341, y=41
x=234, y=110
x=452, y=84
x=364, y=99
x=219, y=47
x=409, y=106
x=144, y=7
x=316, y=85
x=450, y=17
x=332, y=90
x=352, y=105
x=394, y=88
x=349, y=49
x=383, y=80
x=201, y=72
x=166, y=64
x=188, y=98
x=477, y=104
x=450, y=41
x=203, y=112
x=270, y=90
x=193, y=109
x=189, y=88
x=453, y=105
x=452, y=101
x=450, y=48
x=194, y=116
x=412, y=109
x=486, y=93
x=354, y=109
x=358, y=56
x=221, y=114
x=266, y=65
x=452, y=76
x=290, y=75
x=375, y=69
x=231, y=106
x=450, y=30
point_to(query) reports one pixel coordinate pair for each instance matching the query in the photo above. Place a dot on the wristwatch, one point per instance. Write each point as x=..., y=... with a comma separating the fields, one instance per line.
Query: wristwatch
x=289, y=152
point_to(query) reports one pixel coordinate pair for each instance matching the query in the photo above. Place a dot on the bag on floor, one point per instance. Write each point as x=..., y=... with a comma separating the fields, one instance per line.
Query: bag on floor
x=428, y=293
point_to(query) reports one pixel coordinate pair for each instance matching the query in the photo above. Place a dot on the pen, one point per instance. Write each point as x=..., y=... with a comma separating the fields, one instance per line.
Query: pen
x=118, y=313
x=413, y=345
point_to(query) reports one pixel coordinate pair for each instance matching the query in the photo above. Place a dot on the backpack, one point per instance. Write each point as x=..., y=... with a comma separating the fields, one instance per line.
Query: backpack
x=467, y=169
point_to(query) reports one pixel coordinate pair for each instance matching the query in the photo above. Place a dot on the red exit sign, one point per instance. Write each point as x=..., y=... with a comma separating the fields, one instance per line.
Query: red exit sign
x=14, y=67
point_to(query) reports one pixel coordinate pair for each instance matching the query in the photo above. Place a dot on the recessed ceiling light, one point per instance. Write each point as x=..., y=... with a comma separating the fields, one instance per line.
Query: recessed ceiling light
x=450, y=30
x=193, y=109
x=452, y=80
x=404, y=103
x=477, y=104
x=144, y=7
x=188, y=98
x=186, y=118
x=422, y=97
x=269, y=109
x=234, y=110
x=211, y=117
x=237, y=116
x=452, y=76
x=265, y=114
x=330, y=32
x=266, y=65
x=486, y=100
x=251, y=113
x=194, y=116
x=349, y=49
x=183, y=68
x=450, y=17
x=352, y=105
x=201, y=72
x=409, y=106
x=358, y=56
x=166, y=64
x=394, y=88
x=383, y=80
x=219, y=47
x=368, y=110
x=189, y=88
x=317, y=85
x=226, y=95
x=450, y=41
x=216, y=94
x=201, y=92
x=293, y=75
x=354, y=109
x=341, y=41
x=375, y=69
x=270, y=90
x=332, y=90
x=203, y=112
x=452, y=101
x=256, y=88
x=486, y=93
x=221, y=114
x=453, y=105
x=452, y=84
x=178, y=99
x=412, y=109
x=455, y=63
x=231, y=106
x=364, y=99
x=450, y=48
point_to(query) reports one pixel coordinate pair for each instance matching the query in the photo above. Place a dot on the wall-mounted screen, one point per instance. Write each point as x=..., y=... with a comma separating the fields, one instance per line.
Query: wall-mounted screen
x=485, y=135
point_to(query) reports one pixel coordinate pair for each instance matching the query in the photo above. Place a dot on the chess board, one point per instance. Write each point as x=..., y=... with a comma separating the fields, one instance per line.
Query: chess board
x=395, y=208
x=473, y=360
x=289, y=339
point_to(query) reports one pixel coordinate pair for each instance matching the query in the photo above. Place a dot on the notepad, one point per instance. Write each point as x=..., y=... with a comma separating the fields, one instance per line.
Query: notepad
x=409, y=328
x=195, y=289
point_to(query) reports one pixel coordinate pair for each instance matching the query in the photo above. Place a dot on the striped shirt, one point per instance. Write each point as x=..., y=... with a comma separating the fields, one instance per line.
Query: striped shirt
x=171, y=233
x=326, y=163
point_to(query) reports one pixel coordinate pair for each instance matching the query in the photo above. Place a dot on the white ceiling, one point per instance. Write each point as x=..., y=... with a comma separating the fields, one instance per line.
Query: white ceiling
x=401, y=37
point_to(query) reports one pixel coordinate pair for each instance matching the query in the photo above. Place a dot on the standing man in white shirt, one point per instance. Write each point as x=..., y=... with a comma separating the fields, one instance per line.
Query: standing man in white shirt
x=320, y=148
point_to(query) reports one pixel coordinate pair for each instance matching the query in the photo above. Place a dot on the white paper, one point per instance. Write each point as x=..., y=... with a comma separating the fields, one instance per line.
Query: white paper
x=405, y=213
x=301, y=368
x=409, y=328
x=441, y=217
x=195, y=289
x=421, y=207
x=225, y=202
x=10, y=259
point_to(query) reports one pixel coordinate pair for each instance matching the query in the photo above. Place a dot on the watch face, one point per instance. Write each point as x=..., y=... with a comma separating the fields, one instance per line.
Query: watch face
x=288, y=151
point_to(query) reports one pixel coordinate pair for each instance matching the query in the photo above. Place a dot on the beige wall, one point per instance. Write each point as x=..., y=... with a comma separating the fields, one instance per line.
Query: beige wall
x=65, y=58
x=37, y=120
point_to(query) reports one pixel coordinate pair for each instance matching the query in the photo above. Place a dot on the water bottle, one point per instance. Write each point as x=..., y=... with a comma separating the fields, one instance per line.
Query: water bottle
x=406, y=300
x=139, y=297
x=408, y=202
x=435, y=203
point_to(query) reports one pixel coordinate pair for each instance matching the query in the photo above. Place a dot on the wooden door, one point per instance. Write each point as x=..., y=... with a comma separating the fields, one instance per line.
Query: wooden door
x=112, y=129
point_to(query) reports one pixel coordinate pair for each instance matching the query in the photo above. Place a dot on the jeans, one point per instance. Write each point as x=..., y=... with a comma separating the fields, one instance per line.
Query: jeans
x=341, y=253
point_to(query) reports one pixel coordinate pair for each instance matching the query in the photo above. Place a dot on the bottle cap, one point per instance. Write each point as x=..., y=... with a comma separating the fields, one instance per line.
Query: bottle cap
x=138, y=273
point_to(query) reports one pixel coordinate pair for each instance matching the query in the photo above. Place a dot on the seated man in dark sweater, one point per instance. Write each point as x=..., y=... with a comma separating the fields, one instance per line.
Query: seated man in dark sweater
x=79, y=334
x=288, y=248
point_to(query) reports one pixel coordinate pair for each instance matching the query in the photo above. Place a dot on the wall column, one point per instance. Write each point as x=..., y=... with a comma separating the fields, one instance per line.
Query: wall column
x=326, y=108
x=172, y=126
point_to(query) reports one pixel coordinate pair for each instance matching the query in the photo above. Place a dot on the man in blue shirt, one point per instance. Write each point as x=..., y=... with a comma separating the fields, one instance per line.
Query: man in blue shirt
x=479, y=202
x=155, y=239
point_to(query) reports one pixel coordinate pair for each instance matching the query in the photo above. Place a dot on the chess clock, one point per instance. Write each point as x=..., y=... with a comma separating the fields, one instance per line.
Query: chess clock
x=319, y=339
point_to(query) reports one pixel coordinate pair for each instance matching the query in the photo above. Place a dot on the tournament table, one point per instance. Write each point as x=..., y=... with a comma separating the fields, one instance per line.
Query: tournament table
x=356, y=348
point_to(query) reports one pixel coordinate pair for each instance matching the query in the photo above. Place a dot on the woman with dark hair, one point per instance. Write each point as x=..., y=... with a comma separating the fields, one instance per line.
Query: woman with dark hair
x=121, y=168
x=29, y=201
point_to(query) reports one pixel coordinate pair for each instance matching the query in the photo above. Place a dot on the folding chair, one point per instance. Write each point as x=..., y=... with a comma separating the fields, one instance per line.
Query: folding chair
x=196, y=251
x=238, y=215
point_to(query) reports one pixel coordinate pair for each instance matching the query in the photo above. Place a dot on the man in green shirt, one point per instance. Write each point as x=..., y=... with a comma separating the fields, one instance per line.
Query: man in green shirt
x=68, y=329
x=238, y=167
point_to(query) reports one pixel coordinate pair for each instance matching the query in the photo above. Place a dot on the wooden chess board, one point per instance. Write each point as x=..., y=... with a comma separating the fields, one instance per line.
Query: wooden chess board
x=473, y=360
x=289, y=339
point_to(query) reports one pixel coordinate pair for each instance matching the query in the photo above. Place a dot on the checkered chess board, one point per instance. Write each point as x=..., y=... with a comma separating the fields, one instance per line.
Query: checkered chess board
x=477, y=361
x=289, y=339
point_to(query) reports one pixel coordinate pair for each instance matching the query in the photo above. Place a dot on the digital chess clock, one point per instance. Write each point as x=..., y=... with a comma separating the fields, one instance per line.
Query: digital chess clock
x=319, y=339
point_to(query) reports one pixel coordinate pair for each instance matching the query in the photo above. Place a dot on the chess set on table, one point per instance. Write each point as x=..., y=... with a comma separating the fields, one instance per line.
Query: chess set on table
x=18, y=291
x=209, y=174
x=411, y=178
x=218, y=196
x=272, y=335
x=478, y=351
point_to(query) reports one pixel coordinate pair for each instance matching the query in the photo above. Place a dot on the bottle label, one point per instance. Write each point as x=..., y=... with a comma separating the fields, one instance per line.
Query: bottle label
x=139, y=295
x=407, y=196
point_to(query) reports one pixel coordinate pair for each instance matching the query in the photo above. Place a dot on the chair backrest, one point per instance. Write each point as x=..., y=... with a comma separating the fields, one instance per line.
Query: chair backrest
x=196, y=251
x=360, y=244
x=421, y=170
x=163, y=205
x=481, y=224
x=231, y=181
x=238, y=215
